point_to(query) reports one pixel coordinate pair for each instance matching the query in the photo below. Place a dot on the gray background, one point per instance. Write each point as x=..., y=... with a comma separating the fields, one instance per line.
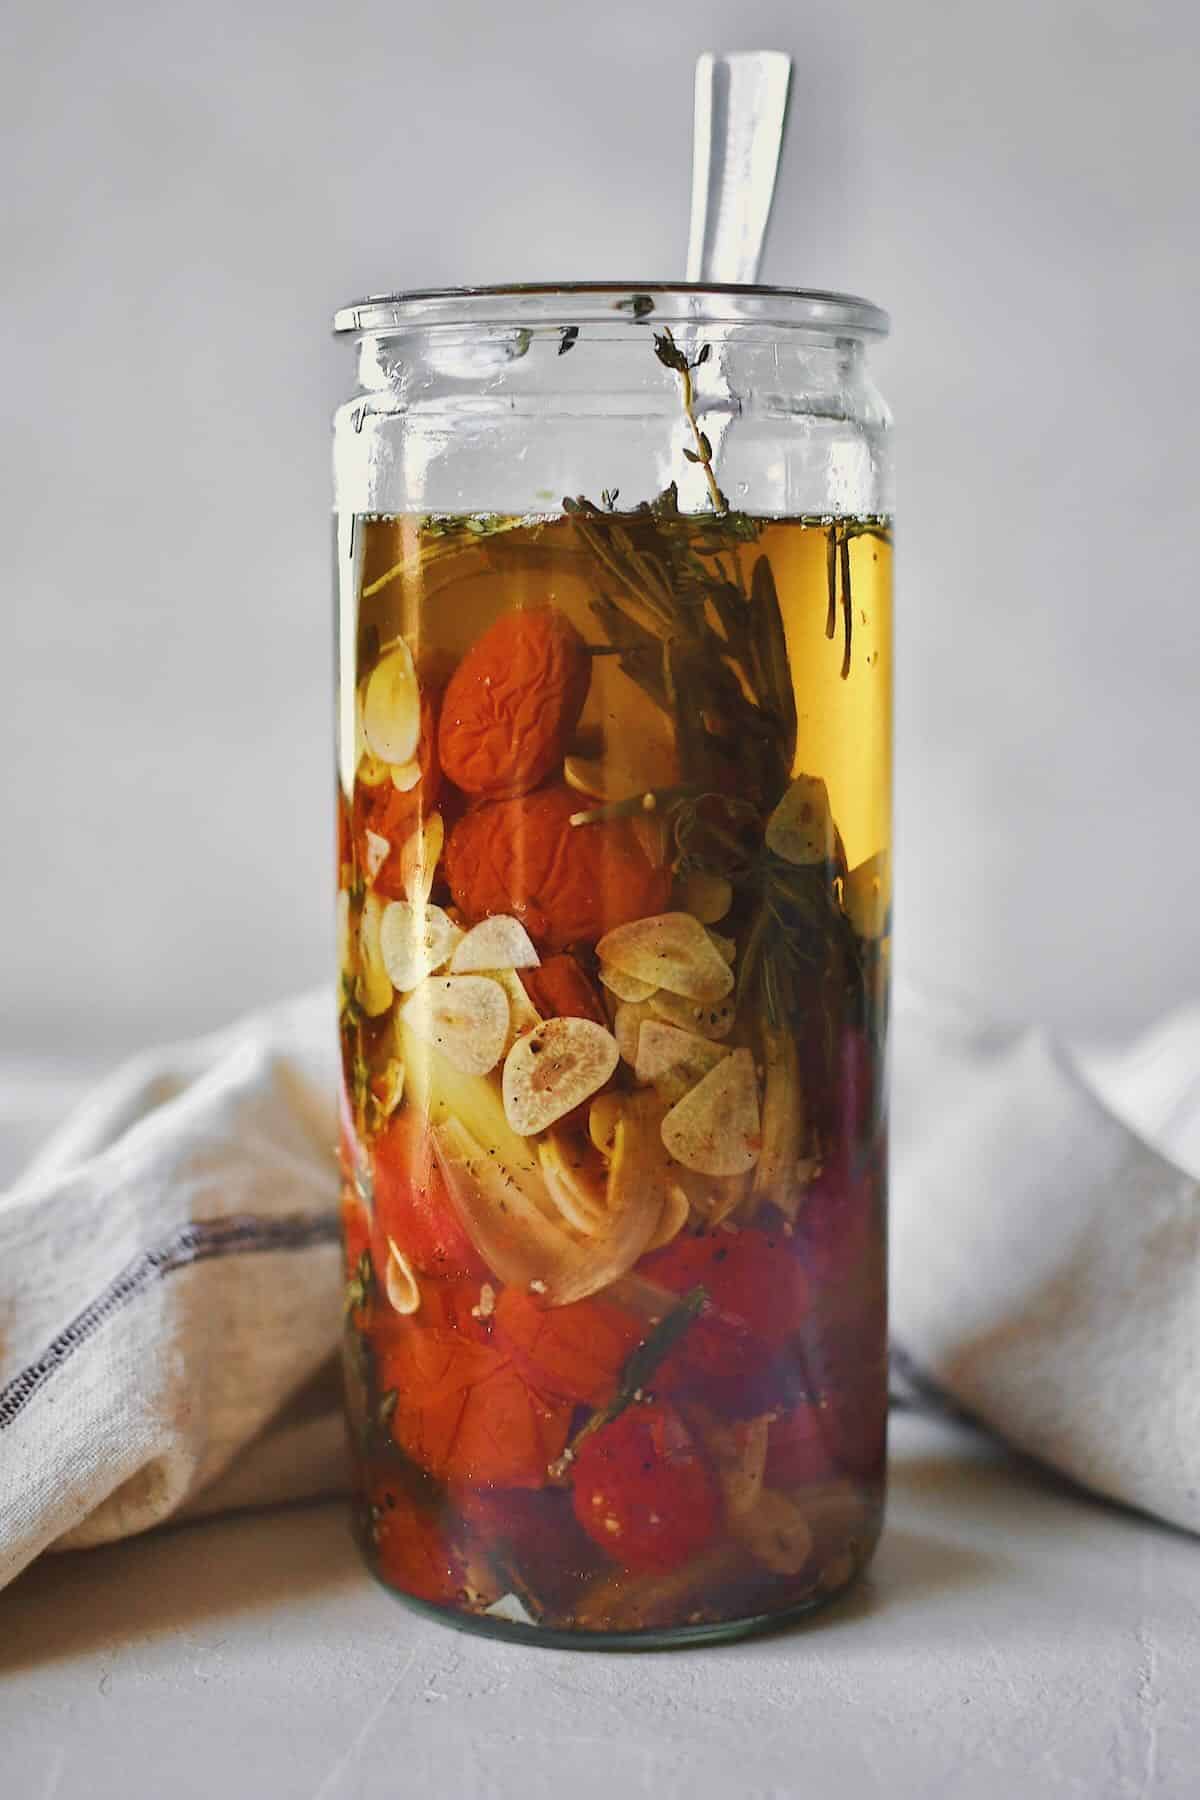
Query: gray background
x=190, y=189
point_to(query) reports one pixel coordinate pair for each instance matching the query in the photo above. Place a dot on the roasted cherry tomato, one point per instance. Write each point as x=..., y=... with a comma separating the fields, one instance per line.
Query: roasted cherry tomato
x=644, y=1492
x=411, y=1548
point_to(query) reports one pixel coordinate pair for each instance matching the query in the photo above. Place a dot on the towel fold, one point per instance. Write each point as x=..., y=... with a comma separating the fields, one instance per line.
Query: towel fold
x=170, y=1296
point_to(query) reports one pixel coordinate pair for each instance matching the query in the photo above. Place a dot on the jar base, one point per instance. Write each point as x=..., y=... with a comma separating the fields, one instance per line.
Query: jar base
x=654, y=1637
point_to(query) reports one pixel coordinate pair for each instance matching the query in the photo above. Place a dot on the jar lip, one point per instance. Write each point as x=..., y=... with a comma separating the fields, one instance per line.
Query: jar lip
x=527, y=303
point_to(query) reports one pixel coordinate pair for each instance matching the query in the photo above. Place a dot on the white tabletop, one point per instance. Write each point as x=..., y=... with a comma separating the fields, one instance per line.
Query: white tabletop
x=1013, y=1641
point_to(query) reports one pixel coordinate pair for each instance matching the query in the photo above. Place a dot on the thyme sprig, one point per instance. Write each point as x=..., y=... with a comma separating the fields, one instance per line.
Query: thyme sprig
x=672, y=357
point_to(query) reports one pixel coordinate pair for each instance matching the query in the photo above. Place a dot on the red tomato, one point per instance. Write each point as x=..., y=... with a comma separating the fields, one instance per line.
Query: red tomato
x=412, y=1551
x=412, y=1206
x=464, y=1410
x=752, y=1279
x=643, y=1491
x=574, y=1351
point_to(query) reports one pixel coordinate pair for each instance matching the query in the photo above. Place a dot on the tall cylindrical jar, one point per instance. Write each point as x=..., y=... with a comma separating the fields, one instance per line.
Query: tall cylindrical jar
x=614, y=834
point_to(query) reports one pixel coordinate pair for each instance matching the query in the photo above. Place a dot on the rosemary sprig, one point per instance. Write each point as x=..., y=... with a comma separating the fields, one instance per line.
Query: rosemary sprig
x=635, y=1377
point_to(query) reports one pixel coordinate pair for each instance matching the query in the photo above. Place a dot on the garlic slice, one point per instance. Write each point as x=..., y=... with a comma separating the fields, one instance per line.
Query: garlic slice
x=673, y=951
x=403, y=1289
x=725, y=947
x=374, y=982
x=627, y=1025
x=865, y=896
x=378, y=851
x=776, y=1531
x=801, y=829
x=391, y=709
x=551, y=1069
x=707, y=897
x=674, y=1060
x=710, y=1019
x=523, y=1015
x=715, y=1129
x=371, y=772
x=625, y=987
x=420, y=856
x=405, y=776
x=463, y=1016
x=415, y=941
x=500, y=942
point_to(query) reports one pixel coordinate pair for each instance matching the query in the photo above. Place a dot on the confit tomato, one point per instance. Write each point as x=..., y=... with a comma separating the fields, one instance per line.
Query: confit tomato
x=644, y=1492
x=413, y=1206
x=513, y=702
x=758, y=1295
x=575, y=1352
x=560, y=989
x=412, y=1550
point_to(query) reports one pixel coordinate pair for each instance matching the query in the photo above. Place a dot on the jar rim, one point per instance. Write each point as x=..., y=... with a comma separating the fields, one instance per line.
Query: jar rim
x=526, y=303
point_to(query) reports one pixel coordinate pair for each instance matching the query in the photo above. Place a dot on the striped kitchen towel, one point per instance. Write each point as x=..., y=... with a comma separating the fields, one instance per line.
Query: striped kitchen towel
x=170, y=1296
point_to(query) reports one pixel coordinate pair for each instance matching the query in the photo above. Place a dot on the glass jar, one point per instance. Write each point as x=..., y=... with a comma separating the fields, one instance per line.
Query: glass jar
x=614, y=678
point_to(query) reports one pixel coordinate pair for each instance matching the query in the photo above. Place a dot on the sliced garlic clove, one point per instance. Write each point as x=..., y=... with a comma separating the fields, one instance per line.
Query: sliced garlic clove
x=672, y=1219
x=604, y=1115
x=776, y=1531
x=400, y=1281
x=707, y=897
x=391, y=710
x=866, y=896
x=420, y=856
x=523, y=1015
x=674, y=1060
x=671, y=950
x=711, y=1019
x=801, y=829
x=580, y=1201
x=625, y=987
x=415, y=941
x=552, y=1069
x=500, y=942
x=715, y=1128
x=725, y=947
x=585, y=776
x=463, y=1016
x=392, y=1087
x=374, y=982
x=378, y=851
x=405, y=776
x=371, y=772
x=627, y=1025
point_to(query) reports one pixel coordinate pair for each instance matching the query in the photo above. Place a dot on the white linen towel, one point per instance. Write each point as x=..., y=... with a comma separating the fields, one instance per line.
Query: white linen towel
x=170, y=1297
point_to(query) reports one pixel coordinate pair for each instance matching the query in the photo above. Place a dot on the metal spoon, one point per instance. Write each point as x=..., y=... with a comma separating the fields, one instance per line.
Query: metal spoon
x=741, y=111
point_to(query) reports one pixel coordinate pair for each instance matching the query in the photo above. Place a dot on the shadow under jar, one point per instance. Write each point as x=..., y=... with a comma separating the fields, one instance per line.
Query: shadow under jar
x=614, y=818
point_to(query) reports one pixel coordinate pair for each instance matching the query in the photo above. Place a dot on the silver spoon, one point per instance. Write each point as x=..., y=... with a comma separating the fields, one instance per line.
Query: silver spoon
x=741, y=111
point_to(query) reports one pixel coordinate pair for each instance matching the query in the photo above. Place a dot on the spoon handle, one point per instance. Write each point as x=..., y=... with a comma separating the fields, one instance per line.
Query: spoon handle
x=741, y=109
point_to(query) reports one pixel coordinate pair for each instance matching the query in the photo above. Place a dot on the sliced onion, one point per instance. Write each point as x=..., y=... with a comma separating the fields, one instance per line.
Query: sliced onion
x=518, y=1232
x=580, y=1201
x=673, y=1217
